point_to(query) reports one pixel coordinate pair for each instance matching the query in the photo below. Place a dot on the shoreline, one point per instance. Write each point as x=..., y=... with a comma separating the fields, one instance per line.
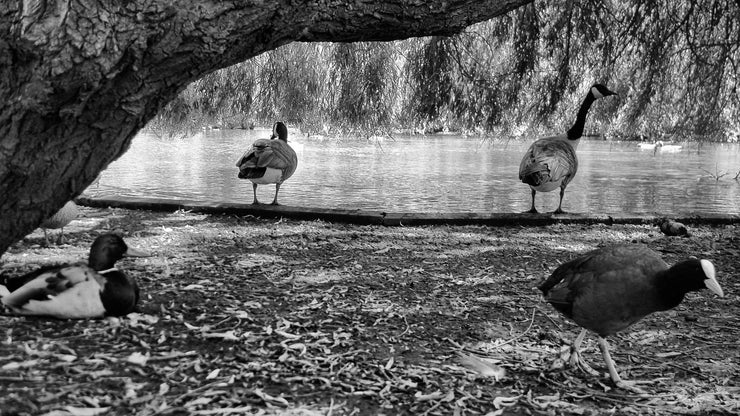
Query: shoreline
x=373, y=217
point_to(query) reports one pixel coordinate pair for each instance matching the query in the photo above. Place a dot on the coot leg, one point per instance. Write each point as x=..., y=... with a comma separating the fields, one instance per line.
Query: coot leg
x=575, y=355
x=622, y=384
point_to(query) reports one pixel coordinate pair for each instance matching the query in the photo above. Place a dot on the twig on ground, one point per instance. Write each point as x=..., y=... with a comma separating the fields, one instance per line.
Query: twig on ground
x=405, y=331
x=657, y=360
x=523, y=333
x=552, y=320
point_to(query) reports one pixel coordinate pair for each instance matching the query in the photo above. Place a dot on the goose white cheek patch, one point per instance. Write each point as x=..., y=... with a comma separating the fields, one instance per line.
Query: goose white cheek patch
x=711, y=281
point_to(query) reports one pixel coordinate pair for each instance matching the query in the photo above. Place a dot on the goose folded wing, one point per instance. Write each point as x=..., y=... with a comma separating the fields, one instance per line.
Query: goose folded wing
x=286, y=155
x=291, y=160
x=528, y=167
x=251, y=157
x=274, y=157
x=558, y=156
x=247, y=155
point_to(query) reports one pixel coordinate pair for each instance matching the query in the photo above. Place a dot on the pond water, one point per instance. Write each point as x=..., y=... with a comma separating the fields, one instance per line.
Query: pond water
x=441, y=173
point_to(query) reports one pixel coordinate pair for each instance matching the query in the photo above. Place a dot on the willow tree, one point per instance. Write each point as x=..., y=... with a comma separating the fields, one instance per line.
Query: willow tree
x=79, y=78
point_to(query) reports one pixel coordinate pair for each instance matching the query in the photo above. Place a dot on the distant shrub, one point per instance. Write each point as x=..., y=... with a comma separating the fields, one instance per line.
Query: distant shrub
x=674, y=64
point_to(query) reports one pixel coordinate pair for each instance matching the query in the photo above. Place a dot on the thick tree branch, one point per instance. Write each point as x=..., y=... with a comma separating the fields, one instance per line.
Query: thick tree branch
x=79, y=78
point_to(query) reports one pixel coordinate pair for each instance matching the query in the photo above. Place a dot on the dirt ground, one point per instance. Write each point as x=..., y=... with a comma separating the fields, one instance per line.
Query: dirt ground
x=247, y=316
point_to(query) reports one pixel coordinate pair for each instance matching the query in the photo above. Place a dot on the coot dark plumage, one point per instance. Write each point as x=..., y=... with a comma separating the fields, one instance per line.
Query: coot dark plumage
x=607, y=290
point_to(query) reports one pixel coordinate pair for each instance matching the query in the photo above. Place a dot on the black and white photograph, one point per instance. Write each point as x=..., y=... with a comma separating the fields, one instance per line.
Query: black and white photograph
x=360, y=207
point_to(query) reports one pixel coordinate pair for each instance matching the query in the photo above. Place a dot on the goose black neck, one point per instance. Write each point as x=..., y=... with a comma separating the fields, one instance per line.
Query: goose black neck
x=575, y=132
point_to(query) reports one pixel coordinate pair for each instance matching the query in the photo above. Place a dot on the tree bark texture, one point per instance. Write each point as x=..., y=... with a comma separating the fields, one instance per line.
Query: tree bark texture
x=79, y=78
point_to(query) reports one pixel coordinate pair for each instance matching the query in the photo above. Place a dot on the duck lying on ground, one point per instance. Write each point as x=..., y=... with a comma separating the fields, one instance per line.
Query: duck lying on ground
x=77, y=291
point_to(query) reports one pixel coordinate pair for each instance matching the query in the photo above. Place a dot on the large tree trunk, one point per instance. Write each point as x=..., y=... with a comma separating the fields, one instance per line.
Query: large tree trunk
x=79, y=78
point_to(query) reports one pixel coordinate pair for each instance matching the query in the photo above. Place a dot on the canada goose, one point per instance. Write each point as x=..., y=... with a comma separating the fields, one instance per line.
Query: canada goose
x=551, y=162
x=609, y=289
x=269, y=161
x=77, y=291
x=60, y=219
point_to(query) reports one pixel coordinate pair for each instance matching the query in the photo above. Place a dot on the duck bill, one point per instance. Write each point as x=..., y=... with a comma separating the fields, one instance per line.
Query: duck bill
x=135, y=252
x=713, y=285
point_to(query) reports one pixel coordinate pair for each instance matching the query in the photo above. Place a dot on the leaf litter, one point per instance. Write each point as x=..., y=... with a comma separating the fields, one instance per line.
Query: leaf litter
x=251, y=316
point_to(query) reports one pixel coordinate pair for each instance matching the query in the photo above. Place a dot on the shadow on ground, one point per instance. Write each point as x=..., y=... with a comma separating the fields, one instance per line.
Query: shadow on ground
x=243, y=315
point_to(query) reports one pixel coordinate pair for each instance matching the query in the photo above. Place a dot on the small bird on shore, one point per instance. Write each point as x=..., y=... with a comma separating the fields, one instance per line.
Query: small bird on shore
x=607, y=290
x=269, y=161
x=60, y=219
x=551, y=162
x=672, y=228
x=77, y=291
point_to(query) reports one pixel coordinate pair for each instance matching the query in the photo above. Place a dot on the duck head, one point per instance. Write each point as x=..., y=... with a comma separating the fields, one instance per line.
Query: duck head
x=107, y=249
x=601, y=91
x=279, y=131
